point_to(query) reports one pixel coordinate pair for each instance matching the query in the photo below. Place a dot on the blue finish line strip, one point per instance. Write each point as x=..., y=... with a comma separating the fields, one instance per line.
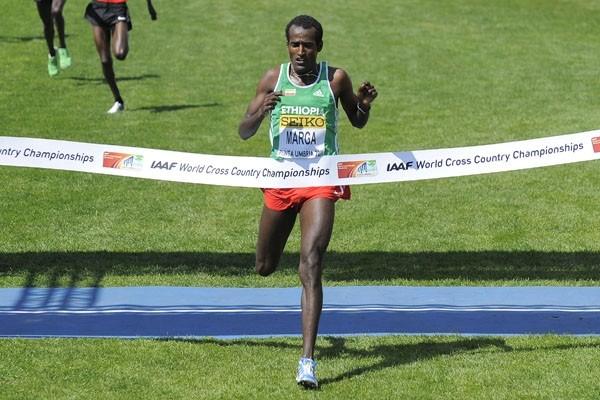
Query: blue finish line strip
x=248, y=312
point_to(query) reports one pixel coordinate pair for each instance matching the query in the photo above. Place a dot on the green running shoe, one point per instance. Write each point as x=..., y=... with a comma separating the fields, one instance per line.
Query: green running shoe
x=52, y=65
x=64, y=58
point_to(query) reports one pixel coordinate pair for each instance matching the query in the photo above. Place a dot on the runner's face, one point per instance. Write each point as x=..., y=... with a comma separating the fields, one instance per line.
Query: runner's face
x=303, y=49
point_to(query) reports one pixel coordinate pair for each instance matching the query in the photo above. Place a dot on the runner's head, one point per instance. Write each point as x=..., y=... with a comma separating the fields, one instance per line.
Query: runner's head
x=306, y=22
x=304, y=36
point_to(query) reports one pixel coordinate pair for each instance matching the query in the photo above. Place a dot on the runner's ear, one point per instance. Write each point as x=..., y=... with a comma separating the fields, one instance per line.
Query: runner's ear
x=320, y=46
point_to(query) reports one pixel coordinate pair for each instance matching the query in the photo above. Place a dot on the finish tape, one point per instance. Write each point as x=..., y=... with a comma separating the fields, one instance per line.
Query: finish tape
x=264, y=172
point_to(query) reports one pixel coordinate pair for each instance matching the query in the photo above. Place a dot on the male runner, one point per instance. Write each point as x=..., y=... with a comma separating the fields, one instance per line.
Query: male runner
x=303, y=90
x=51, y=14
x=110, y=21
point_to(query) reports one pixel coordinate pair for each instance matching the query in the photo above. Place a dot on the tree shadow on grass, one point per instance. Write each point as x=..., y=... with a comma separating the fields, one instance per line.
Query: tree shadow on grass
x=77, y=267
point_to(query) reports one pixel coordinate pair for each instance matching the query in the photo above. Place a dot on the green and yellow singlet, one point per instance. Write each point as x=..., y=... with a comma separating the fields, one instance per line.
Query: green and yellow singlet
x=304, y=121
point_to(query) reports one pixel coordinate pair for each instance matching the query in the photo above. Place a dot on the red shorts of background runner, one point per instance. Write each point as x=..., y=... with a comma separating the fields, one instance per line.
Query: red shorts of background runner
x=284, y=199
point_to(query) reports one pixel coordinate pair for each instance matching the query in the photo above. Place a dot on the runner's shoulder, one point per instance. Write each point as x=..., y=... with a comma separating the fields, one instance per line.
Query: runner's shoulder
x=269, y=79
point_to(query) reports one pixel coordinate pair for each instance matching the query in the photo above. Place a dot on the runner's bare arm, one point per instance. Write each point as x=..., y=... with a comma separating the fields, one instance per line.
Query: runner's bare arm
x=263, y=103
x=357, y=106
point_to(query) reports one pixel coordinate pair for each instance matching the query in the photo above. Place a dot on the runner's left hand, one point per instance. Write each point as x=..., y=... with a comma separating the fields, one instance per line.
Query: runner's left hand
x=366, y=94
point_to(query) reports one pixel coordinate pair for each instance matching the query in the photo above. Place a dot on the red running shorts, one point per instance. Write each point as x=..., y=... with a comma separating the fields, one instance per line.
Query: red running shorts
x=284, y=199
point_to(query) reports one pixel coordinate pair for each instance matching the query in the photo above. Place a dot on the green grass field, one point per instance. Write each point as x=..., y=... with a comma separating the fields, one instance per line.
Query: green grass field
x=449, y=74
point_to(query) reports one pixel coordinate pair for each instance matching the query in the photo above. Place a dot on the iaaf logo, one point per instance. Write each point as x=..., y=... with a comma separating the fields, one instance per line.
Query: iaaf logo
x=401, y=166
x=596, y=144
x=111, y=159
x=355, y=169
x=163, y=165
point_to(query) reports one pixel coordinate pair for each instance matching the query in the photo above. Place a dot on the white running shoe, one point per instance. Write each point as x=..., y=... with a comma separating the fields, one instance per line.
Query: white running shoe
x=117, y=107
x=307, y=373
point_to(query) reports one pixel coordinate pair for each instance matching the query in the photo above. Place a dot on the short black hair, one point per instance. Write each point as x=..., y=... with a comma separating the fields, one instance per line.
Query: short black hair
x=306, y=22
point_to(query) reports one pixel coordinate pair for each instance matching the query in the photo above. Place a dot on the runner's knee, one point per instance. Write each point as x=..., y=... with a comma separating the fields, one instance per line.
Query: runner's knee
x=121, y=54
x=310, y=270
x=264, y=268
x=311, y=279
x=56, y=13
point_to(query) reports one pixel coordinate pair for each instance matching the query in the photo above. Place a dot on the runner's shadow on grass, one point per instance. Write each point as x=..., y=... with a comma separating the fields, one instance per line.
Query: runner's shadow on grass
x=384, y=356
x=387, y=356
x=89, y=268
x=101, y=81
x=23, y=39
x=174, y=107
x=392, y=355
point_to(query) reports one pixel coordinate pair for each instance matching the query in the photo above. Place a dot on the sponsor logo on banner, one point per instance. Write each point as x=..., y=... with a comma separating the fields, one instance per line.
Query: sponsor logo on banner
x=356, y=169
x=596, y=144
x=111, y=159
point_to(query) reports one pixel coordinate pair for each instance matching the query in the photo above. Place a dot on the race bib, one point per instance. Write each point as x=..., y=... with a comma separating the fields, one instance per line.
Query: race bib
x=301, y=136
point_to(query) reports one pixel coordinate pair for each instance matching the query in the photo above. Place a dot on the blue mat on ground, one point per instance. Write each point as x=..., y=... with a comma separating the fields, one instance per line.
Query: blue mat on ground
x=155, y=312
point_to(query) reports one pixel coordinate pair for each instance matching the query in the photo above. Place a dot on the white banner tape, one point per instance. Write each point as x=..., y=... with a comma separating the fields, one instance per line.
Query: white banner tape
x=263, y=172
